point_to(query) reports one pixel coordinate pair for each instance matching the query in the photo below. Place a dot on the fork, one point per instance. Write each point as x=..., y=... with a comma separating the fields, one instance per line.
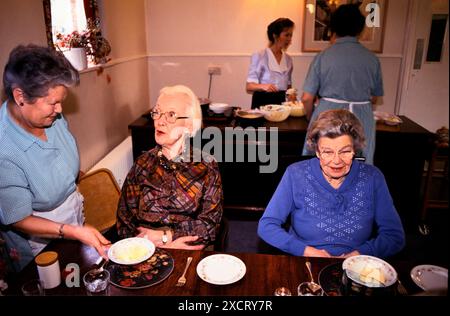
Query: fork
x=182, y=279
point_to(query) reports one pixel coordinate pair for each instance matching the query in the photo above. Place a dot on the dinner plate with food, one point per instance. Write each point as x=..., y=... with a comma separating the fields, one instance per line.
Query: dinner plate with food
x=131, y=250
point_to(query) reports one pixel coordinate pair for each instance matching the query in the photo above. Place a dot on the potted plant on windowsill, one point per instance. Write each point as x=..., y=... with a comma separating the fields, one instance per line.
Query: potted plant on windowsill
x=88, y=45
x=73, y=46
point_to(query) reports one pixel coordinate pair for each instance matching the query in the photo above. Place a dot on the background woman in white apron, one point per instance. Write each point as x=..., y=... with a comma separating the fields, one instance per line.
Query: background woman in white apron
x=345, y=76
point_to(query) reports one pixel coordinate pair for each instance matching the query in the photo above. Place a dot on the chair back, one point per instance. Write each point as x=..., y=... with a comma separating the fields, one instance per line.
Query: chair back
x=220, y=243
x=101, y=197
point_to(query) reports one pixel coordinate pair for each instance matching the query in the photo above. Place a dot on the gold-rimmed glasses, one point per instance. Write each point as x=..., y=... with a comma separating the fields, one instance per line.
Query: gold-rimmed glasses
x=171, y=116
x=328, y=155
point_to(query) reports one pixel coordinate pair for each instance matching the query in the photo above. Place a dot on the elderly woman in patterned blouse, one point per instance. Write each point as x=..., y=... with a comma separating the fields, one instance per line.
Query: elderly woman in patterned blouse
x=336, y=205
x=170, y=196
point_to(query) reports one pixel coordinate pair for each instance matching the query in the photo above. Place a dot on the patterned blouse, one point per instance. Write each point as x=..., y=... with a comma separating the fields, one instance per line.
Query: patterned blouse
x=185, y=196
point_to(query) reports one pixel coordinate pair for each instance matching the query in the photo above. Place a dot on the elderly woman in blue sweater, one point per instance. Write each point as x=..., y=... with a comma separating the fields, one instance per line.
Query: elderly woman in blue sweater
x=336, y=205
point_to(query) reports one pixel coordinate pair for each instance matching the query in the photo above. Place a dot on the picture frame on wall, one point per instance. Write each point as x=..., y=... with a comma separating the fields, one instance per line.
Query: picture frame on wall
x=316, y=23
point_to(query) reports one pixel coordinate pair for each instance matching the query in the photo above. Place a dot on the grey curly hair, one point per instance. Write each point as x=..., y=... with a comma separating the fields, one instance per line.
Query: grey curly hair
x=335, y=123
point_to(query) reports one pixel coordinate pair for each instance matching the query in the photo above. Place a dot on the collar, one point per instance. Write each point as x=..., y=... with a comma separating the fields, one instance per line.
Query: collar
x=317, y=171
x=346, y=39
x=273, y=64
x=23, y=139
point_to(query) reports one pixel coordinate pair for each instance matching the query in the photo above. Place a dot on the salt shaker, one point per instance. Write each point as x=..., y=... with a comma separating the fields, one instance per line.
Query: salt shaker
x=48, y=269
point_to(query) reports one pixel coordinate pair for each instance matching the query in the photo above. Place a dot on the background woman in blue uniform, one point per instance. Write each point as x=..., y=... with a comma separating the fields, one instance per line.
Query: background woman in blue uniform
x=270, y=72
x=345, y=76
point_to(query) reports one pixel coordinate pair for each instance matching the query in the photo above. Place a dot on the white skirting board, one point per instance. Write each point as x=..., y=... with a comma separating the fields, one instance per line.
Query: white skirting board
x=119, y=161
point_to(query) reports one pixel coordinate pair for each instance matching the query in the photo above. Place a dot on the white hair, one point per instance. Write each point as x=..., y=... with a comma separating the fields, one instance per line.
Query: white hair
x=194, y=104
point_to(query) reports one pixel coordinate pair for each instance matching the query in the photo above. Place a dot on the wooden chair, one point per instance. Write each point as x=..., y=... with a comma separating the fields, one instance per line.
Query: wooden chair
x=222, y=236
x=436, y=181
x=101, y=196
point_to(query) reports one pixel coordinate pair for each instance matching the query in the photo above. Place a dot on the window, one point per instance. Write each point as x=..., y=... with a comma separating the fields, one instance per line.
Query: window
x=64, y=17
x=437, y=36
x=67, y=16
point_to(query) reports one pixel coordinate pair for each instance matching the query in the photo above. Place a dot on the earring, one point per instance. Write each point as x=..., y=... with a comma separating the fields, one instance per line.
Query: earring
x=21, y=103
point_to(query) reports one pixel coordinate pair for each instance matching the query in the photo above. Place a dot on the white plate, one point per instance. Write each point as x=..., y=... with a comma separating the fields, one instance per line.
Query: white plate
x=221, y=269
x=387, y=118
x=131, y=250
x=429, y=277
x=357, y=264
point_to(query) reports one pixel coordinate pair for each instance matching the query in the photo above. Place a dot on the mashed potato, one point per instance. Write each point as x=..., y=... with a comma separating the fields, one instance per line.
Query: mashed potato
x=372, y=275
x=131, y=252
x=369, y=272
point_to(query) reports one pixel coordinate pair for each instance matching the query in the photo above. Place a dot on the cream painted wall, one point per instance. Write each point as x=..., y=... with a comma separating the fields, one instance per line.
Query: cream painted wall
x=14, y=31
x=107, y=99
x=184, y=37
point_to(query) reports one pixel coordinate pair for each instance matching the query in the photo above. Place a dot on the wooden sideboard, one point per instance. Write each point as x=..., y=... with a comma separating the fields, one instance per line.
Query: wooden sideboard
x=400, y=154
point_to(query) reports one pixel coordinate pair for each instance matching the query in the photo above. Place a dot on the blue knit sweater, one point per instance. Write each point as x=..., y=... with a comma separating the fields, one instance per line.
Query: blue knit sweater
x=359, y=215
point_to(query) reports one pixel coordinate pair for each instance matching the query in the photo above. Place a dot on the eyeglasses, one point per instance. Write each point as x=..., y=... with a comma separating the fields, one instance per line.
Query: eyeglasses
x=171, y=116
x=328, y=155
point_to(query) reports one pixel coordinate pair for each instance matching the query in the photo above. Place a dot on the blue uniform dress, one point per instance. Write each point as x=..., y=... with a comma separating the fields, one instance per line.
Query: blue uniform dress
x=264, y=68
x=35, y=177
x=345, y=72
x=359, y=215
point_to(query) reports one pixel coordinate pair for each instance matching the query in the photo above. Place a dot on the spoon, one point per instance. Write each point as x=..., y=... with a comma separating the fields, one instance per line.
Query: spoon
x=282, y=291
x=315, y=288
x=99, y=269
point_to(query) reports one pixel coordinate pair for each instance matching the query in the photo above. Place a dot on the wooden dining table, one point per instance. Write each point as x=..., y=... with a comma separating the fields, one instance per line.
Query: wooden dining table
x=264, y=273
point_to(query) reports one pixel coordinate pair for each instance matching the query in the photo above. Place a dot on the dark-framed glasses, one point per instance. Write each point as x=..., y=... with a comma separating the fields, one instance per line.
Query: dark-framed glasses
x=171, y=116
x=328, y=155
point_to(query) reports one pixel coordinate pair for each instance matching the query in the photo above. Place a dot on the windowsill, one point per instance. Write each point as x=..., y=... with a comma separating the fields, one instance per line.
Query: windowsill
x=112, y=63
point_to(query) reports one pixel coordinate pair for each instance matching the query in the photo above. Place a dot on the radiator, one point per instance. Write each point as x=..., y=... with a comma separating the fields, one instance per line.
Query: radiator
x=118, y=161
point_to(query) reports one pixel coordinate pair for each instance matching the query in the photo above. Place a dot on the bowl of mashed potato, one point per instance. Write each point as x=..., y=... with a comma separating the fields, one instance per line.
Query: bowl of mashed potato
x=368, y=275
x=131, y=250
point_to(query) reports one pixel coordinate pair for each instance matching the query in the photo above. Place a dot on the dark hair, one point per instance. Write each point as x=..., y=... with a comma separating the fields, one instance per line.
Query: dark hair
x=347, y=20
x=335, y=123
x=35, y=69
x=277, y=26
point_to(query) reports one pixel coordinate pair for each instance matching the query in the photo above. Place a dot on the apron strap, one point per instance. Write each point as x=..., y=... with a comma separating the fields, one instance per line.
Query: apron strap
x=350, y=103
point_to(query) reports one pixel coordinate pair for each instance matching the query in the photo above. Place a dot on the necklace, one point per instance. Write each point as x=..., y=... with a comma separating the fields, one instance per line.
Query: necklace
x=166, y=163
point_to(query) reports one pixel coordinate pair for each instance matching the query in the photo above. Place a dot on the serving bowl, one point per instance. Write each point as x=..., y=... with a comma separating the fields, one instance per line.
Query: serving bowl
x=368, y=275
x=249, y=117
x=297, y=108
x=219, y=108
x=275, y=112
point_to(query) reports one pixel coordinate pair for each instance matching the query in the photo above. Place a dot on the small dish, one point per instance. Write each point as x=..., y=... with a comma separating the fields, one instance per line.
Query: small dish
x=387, y=118
x=221, y=269
x=131, y=250
x=430, y=277
x=249, y=115
x=219, y=108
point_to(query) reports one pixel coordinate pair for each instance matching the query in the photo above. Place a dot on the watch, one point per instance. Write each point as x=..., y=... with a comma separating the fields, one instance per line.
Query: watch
x=164, y=237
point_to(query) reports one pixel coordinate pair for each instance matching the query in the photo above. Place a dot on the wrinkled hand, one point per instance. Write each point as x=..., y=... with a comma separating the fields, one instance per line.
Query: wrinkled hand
x=350, y=254
x=181, y=243
x=268, y=87
x=314, y=252
x=90, y=236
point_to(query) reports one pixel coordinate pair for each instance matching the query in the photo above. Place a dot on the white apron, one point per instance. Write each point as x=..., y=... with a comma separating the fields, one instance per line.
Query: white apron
x=350, y=103
x=69, y=212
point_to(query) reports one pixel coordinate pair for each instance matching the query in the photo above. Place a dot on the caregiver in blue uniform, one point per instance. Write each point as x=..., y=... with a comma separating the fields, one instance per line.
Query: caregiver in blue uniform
x=270, y=71
x=345, y=76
